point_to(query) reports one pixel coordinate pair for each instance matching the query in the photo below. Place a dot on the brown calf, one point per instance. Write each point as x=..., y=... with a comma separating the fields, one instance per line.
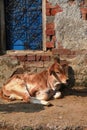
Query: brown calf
x=35, y=88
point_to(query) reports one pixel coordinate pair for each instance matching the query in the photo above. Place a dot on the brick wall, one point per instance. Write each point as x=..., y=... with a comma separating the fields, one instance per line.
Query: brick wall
x=50, y=27
x=34, y=61
x=84, y=12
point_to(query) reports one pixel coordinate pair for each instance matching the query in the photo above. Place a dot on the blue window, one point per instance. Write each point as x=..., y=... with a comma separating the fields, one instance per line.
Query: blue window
x=23, y=24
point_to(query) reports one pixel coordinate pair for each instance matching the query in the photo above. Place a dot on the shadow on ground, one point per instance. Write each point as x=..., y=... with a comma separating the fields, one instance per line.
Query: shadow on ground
x=20, y=107
x=75, y=92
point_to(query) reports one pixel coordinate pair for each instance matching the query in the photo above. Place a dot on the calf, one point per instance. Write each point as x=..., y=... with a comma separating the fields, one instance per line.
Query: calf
x=35, y=88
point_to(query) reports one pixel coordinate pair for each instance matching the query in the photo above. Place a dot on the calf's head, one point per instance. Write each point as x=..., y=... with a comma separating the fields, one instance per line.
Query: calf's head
x=57, y=75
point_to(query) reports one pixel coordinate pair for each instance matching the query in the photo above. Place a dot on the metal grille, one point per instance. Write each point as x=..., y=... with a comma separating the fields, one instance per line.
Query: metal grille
x=24, y=24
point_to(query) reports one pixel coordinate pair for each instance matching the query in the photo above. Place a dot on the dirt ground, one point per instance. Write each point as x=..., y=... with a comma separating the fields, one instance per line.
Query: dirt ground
x=67, y=113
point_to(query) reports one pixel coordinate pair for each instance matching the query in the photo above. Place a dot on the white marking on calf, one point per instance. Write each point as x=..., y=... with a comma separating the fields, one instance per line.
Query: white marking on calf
x=57, y=95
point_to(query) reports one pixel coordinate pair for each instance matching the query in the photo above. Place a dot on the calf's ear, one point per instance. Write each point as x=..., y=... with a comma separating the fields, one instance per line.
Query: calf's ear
x=51, y=69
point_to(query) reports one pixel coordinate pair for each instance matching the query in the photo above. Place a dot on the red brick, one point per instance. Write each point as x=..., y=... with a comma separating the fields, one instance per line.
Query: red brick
x=38, y=57
x=71, y=56
x=83, y=10
x=50, y=32
x=50, y=44
x=84, y=13
x=48, y=13
x=49, y=6
x=22, y=58
x=30, y=57
x=66, y=51
x=50, y=26
x=73, y=52
x=61, y=51
x=55, y=10
x=45, y=58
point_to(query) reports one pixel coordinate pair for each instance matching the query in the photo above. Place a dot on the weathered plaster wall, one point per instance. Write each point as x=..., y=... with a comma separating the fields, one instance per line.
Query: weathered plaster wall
x=70, y=28
x=71, y=38
x=7, y=67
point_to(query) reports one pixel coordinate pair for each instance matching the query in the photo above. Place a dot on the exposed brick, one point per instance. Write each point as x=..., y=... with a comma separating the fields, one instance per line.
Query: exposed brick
x=81, y=52
x=55, y=10
x=22, y=58
x=61, y=51
x=73, y=52
x=84, y=13
x=50, y=26
x=38, y=57
x=83, y=10
x=48, y=13
x=66, y=51
x=49, y=6
x=45, y=58
x=50, y=32
x=50, y=44
x=71, y=56
x=30, y=57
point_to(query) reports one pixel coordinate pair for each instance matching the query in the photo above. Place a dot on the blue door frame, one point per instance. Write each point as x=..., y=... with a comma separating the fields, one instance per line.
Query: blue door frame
x=23, y=24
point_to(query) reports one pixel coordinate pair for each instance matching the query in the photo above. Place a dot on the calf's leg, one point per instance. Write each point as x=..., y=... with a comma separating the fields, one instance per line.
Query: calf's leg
x=42, y=97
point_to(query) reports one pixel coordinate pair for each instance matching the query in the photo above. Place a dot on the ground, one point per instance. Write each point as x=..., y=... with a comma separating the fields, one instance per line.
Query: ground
x=67, y=113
